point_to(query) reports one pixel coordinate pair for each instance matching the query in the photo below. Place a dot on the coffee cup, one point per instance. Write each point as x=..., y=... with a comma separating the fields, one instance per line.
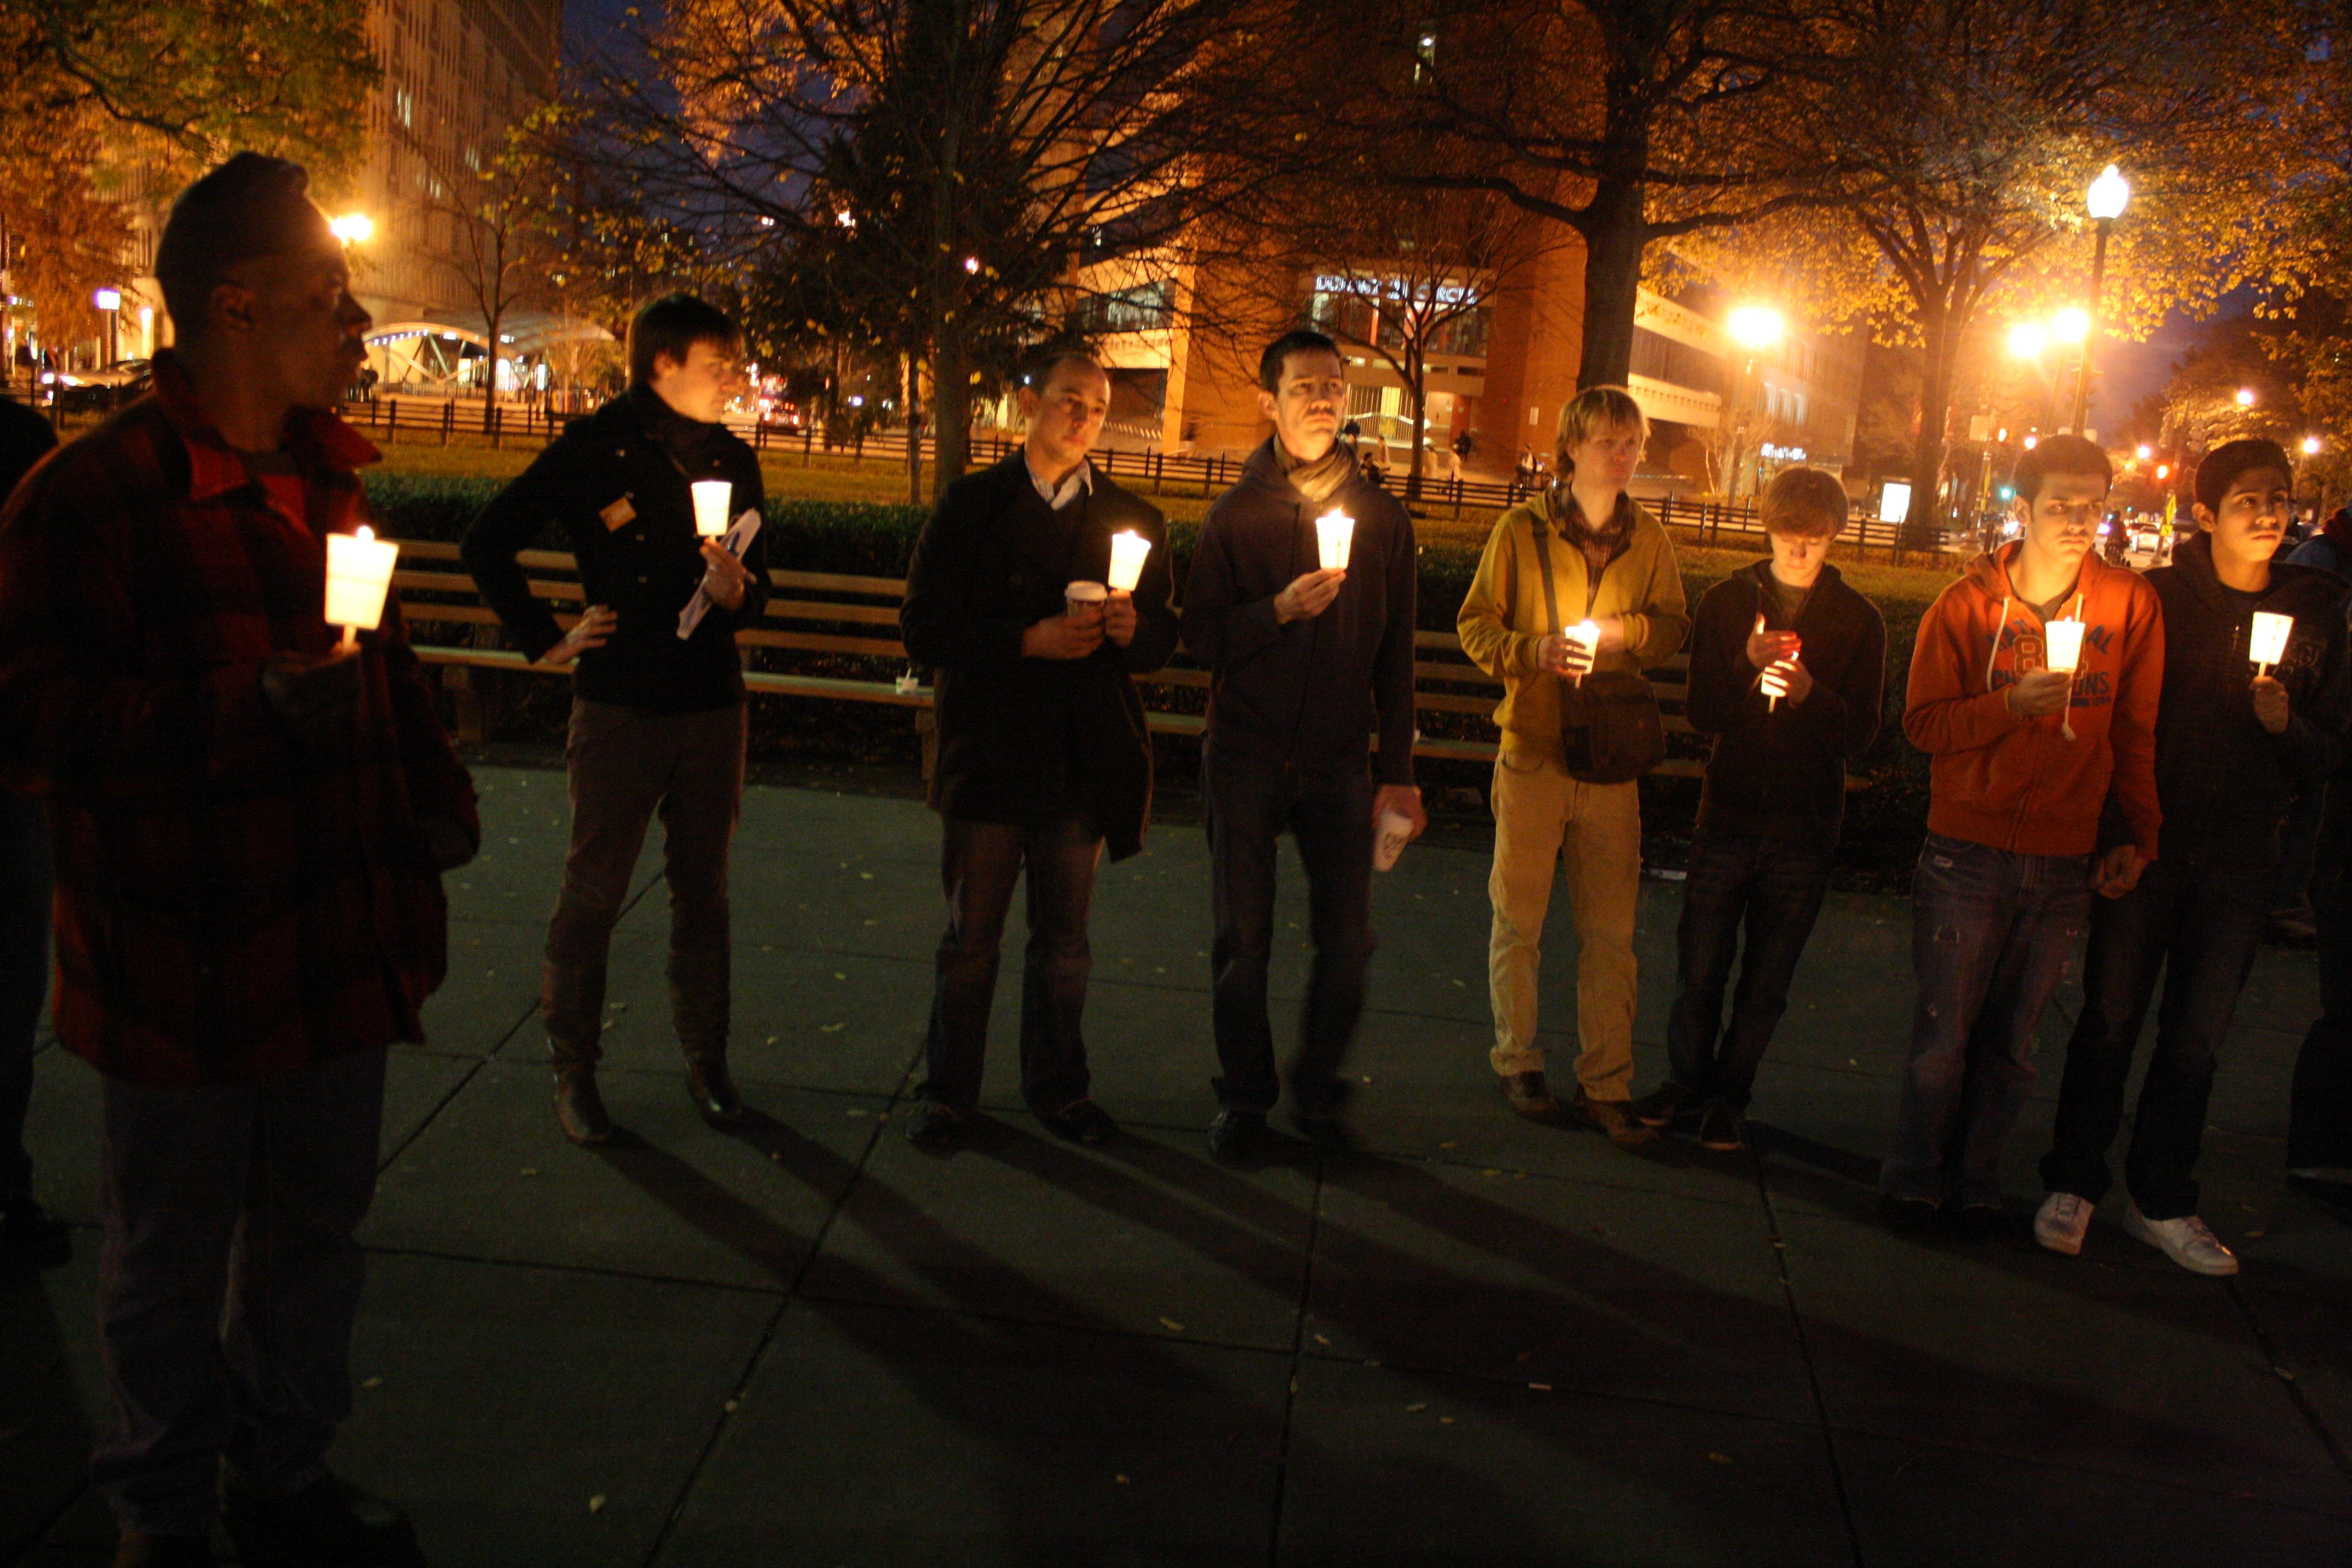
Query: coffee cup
x=1083, y=603
x=1391, y=832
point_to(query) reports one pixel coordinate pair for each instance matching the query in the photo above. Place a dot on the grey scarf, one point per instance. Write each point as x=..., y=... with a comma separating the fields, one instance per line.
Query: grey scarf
x=1319, y=480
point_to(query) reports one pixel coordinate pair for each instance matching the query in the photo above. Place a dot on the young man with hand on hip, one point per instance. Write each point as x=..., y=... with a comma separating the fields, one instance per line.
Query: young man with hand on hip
x=2024, y=760
x=2233, y=747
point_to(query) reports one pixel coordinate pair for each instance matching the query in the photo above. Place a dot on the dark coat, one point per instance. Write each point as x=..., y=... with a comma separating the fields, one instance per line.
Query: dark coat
x=1782, y=774
x=2224, y=781
x=1026, y=740
x=618, y=493
x=25, y=435
x=1307, y=695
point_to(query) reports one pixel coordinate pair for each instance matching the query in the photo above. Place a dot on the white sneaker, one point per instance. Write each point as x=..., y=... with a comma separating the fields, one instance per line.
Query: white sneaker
x=2186, y=1241
x=2060, y=1221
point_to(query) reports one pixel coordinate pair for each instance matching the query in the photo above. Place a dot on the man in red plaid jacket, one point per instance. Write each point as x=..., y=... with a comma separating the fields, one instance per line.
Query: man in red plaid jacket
x=249, y=833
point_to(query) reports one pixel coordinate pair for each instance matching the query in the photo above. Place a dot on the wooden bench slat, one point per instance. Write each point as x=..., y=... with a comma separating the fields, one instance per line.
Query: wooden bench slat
x=810, y=610
x=819, y=642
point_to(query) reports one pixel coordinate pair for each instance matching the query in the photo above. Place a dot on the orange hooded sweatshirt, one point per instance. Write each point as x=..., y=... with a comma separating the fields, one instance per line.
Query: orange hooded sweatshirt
x=2020, y=785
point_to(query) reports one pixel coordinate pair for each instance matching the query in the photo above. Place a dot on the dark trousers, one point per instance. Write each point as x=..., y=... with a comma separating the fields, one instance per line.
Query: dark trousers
x=25, y=890
x=1992, y=934
x=1774, y=890
x=2200, y=929
x=228, y=1281
x=1330, y=817
x=979, y=864
x=2319, y=1124
x=626, y=765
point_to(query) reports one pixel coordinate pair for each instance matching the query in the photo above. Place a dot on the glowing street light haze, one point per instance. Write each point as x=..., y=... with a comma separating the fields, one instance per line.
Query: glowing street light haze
x=2245, y=397
x=1754, y=327
x=2107, y=195
x=2070, y=325
x=352, y=229
x=2027, y=340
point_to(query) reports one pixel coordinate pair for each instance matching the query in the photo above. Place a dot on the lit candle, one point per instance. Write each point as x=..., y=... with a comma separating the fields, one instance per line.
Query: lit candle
x=2062, y=640
x=1128, y=549
x=711, y=500
x=1586, y=636
x=359, y=574
x=2267, y=643
x=1774, y=682
x=1335, y=532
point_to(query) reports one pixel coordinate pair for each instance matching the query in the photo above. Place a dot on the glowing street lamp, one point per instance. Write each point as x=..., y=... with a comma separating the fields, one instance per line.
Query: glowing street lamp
x=2146, y=451
x=2105, y=199
x=352, y=229
x=2028, y=339
x=2070, y=325
x=2245, y=397
x=1754, y=328
x=2311, y=446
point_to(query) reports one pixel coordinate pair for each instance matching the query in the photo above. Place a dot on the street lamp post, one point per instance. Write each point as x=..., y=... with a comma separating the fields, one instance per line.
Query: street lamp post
x=2105, y=199
x=109, y=304
x=1754, y=328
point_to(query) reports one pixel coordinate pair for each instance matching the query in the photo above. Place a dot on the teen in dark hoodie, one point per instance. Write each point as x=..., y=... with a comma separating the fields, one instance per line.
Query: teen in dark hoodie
x=1305, y=663
x=2232, y=748
x=1788, y=672
x=2023, y=759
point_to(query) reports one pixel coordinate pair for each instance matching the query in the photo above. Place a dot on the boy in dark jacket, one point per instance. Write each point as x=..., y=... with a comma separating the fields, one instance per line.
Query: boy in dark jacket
x=1043, y=756
x=657, y=717
x=2234, y=746
x=1305, y=663
x=1788, y=671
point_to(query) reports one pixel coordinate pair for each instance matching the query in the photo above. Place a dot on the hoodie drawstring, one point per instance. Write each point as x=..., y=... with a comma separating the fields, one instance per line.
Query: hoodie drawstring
x=1999, y=626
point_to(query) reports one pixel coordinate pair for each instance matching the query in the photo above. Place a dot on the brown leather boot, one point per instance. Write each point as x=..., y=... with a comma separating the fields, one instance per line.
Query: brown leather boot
x=579, y=1108
x=1615, y=1118
x=713, y=1088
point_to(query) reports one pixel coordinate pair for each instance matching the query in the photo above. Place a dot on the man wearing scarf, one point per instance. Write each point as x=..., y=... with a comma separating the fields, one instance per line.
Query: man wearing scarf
x=656, y=717
x=1306, y=663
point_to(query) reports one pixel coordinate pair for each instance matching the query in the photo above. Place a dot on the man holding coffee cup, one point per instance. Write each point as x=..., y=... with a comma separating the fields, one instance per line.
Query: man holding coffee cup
x=1043, y=753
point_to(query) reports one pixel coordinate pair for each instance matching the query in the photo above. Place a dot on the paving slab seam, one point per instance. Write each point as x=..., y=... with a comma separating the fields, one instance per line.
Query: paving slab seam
x=1506, y=1379
x=1071, y=1326
x=2285, y=1375
x=576, y=1271
x=1812, y=1371
x=1297, y=1359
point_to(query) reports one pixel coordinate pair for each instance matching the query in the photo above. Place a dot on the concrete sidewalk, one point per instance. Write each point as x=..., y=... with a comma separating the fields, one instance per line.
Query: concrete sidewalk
x=1484, y=1342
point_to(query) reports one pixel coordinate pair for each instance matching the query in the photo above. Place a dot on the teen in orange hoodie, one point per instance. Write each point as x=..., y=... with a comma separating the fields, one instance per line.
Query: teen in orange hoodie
x=2025, y=759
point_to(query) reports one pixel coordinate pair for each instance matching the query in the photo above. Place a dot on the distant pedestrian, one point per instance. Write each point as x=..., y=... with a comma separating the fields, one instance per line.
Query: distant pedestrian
x=1788, y=674
x=1577, y=592
x=250, y=828
x=2025, y=759
x=2233, y=747
x=1044, y=758
x=656, y=704
x=1306, y=662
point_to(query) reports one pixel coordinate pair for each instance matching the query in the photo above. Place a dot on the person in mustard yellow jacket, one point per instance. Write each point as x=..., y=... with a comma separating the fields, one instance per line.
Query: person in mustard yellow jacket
x=1618, y=574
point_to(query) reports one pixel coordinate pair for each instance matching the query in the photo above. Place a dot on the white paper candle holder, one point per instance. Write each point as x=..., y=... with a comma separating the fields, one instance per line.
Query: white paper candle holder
x=1586, y=636
x=2062, y=640
x=1128, y=550
x=359, y=576
x=1774, y=682
x=2266, y=644
x=1335, y=534
x=711, y=500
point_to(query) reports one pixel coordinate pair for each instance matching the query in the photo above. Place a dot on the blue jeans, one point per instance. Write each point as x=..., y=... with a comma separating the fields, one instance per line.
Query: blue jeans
x=228, y=1281
x=24, y=978
x=2200, y=928
x=1775, y=890
x=1331, y=817
x=1993, y=933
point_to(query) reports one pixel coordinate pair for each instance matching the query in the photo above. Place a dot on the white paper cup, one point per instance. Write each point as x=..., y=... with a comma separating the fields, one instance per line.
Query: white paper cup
x=2266, y=643
x=1335, y=534
x=1391, y=832
x=711, y=500
x=1127, y=550
x=1082, y=602
x=359, y=574
x=2062, y=642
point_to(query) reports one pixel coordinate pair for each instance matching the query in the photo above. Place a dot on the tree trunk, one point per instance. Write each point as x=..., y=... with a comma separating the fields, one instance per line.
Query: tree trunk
x=1416, y=382
x=914, y=409
x=1922, y=522
x=491, y=387
x=1616, y=236
x=950, y=412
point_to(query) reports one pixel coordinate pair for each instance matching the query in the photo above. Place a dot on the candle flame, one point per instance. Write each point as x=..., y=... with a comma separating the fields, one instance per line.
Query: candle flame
x=363, y=531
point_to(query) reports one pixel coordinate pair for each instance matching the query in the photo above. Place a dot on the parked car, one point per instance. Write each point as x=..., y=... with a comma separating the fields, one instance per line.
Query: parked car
x=97, y=391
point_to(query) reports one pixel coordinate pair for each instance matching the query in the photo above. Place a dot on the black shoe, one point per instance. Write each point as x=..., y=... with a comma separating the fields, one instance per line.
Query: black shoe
x=1719, y=1127
x=1977, y=1222
x=1081, y=1122
x=579, y=1108
x=31, y=1237
x=1906, y=1217
x=330, y=1522
x=713, y=1089
x=1235, y=1132
x=1661, y=1106
x=1328, y=1132
x=138, y=1548
x=1614, y=1117
x=1527, y=1093
x=934, y=1128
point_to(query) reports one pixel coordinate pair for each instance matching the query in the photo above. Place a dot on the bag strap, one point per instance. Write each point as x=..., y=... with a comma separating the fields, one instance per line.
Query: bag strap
x=1543, y=565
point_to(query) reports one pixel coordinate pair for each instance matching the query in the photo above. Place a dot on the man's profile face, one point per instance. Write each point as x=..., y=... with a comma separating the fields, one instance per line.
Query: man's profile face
x=294, y=316
x=2250, y=523
x=700, y=386
x=1067, y=414
x=1307, y=403
x=2061, y=519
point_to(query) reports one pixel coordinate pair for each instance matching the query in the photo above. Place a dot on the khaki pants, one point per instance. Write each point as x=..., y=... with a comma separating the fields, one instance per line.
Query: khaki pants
x=1543, y=816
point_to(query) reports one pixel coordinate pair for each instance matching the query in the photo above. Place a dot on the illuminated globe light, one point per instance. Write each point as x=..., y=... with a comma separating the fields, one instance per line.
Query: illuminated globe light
x=2070, y=325
x=1755, y=326
x=2311, y=446
x=2146, y=451
x=2107, y=195
x=972, y=264
x=2031, y=442
x=2245, y=397
x=108, y=298
x=352, y=229
x=2027, y=340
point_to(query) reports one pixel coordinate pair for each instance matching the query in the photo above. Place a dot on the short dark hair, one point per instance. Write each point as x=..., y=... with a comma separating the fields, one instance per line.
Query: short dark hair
x=2231, y=461
x=251, y=205
x=1297, y=341
x=1810, y=502
x=2059, y=455
x=1042, y=369
x=672, y=325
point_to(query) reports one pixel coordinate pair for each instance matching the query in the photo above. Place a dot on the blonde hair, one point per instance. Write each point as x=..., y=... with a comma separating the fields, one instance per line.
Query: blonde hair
x=1595, y=409
x=1808, y=501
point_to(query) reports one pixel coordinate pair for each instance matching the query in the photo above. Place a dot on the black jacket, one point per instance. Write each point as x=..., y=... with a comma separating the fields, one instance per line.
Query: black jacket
x=1781, y=774
x=1307, y=695
x=1028, y=740
x=25, y=437
x=2224, y=781
x=615, y=484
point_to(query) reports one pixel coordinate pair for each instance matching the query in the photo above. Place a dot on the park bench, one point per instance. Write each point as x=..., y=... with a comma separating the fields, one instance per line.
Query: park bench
x=847, y=616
